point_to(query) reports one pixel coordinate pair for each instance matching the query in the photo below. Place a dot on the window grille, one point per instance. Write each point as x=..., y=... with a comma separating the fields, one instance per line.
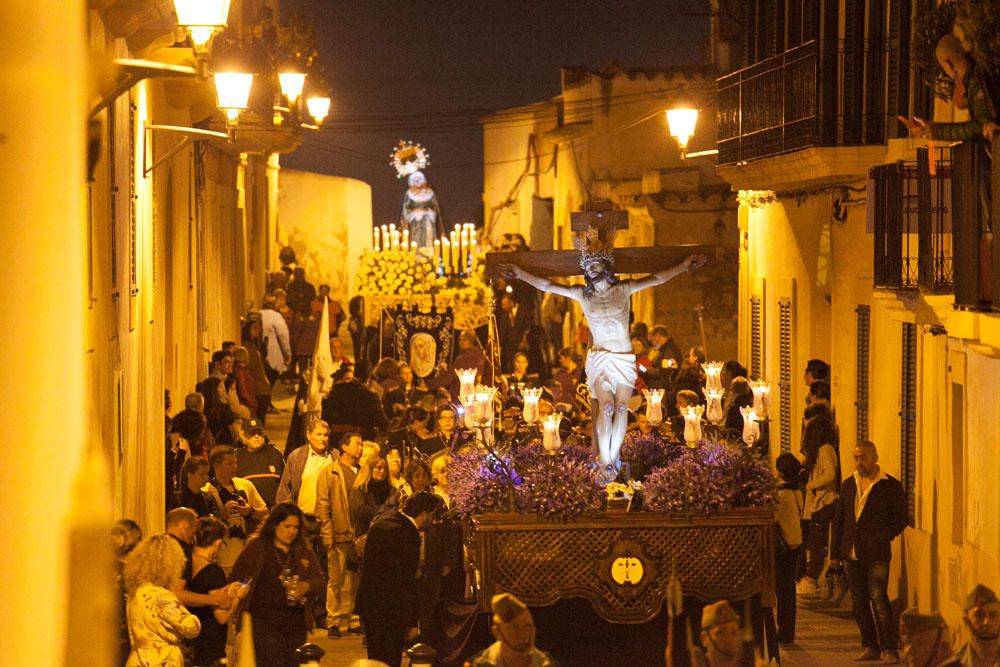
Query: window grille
x=864, y=341
x=785, y=371
x=908, y=417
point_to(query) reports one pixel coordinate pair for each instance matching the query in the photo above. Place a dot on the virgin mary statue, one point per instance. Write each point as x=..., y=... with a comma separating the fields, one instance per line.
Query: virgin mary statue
x=420, y=212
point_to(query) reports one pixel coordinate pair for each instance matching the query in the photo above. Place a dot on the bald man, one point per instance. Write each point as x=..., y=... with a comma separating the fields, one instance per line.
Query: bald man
x=871, y=513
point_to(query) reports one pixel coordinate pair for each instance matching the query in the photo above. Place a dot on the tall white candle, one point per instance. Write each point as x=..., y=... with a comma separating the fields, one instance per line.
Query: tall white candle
x=529, y=413
x=692, y=424
x=654, y=406
x=550, y=433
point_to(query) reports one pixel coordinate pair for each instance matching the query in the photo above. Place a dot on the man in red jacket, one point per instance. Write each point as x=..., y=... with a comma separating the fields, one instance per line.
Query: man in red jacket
x=870, y=514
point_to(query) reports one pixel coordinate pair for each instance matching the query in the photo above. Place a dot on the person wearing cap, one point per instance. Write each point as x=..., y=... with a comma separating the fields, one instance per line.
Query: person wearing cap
x=982, y=618
x=721, y=636
x=258, y=460
x=926, y=640
x=514, y=630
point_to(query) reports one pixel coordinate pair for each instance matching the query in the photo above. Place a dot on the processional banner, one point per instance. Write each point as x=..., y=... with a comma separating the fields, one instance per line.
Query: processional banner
x=423, y=339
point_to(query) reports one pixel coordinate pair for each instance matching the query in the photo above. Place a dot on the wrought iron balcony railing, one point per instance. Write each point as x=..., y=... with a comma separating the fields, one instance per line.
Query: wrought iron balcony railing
x=910, y=214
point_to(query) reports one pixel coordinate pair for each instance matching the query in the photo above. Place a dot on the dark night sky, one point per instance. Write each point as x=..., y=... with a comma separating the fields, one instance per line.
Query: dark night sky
x=423, y=71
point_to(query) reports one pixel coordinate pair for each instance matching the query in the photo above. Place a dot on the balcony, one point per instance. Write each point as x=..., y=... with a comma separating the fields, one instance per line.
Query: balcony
x=910, y=214
x=771, y=107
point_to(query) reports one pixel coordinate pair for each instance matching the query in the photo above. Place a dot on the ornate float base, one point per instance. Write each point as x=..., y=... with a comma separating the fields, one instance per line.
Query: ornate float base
x=621, y=563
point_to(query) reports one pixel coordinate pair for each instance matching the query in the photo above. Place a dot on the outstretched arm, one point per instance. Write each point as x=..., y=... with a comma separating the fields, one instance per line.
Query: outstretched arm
x=692, y=263
x=543, y=284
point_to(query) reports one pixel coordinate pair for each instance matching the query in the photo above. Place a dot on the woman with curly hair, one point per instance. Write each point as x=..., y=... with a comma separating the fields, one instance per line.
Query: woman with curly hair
x=157, y=621
x=283, y=575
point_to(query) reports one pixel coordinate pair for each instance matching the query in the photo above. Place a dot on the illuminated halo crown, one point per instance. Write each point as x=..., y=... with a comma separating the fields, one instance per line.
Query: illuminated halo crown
x=408, y=158
x=592, y=247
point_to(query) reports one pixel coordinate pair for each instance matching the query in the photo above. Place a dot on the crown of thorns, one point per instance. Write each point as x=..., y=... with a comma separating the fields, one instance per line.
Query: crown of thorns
x=593, y=248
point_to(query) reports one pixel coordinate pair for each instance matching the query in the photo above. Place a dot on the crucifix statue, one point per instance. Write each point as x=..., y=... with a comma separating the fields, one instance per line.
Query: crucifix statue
x=606, y=302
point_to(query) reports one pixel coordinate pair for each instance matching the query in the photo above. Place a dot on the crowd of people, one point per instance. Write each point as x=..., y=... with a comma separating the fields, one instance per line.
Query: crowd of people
x=349, y=526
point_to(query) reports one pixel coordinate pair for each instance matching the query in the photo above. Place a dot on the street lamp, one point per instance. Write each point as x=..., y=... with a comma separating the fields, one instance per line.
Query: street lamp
x=318, y=107
x=202, y=19
x=292, y=82
x=681, y=121
x=232, y=90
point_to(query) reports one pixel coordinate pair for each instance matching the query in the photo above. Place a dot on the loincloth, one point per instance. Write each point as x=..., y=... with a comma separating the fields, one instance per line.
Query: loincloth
x=610, y=370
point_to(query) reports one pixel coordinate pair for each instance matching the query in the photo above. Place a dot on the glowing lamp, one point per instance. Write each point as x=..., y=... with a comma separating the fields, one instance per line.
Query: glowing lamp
x=713, y=375
x=232, y=90
x=761, y=397
x=714, y=412
x=202, y=18
x=467, y=382
x=681, y=122
x=654, y=406
x=318, y=107
x=529, y=413
x=751, y=429
x=482, y=406
x=291, y=84
x=468, y=403
x=692, y=424
x=550, y=433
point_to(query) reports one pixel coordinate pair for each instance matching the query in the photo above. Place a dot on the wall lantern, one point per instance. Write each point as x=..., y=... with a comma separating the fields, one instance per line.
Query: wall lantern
x=292, y=83
x=318, y=107
x=681, y=123
x=232, y=91
x=202, y=19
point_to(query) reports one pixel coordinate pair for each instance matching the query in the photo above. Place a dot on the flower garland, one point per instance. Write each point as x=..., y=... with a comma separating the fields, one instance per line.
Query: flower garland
x=400, y=271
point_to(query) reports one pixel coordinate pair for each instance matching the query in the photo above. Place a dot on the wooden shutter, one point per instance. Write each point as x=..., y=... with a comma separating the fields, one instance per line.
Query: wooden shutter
x=864, y=342
x=785, y=371
x=756, y=337
x=908, y=417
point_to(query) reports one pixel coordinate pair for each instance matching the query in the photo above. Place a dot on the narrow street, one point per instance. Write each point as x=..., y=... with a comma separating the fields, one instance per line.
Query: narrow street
x=826, y=636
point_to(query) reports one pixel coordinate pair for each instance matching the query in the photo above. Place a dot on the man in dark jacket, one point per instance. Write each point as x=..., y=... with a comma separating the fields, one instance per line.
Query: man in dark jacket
x=387, y=593
x=352, y=407
x=870, y=514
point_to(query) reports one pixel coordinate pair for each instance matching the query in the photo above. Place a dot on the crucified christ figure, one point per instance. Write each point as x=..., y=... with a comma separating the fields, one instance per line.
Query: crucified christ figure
x=611, y=372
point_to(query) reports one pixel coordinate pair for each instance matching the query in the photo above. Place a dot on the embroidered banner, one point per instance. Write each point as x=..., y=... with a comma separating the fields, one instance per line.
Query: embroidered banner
x=423, y=339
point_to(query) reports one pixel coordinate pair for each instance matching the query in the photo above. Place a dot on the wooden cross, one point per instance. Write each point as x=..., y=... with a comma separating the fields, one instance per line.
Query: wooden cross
x=566, y=263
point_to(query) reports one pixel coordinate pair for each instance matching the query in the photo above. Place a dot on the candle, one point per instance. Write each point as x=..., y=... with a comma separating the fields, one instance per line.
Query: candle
x=464, y=238
x=713, y=375
x=761, y=397
x=692, y=424
x=468, y=406
x=406, y=239
x=375, y=238
x=446, y=255
x=550, y=433
x=529, y=413
x=654, y=406
x=394, y=239
x=454, y=252
x=482, y=408
x=714, y=412
x=437, y=256
x=467, y=382
x=385, y=237
x=751, y=429
x=472, y=251
x=413, y=247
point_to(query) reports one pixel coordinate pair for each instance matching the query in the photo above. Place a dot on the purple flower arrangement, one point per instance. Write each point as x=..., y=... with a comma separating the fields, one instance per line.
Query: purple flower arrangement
x=526, y=480
x=643, y=453
x=712, y=478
